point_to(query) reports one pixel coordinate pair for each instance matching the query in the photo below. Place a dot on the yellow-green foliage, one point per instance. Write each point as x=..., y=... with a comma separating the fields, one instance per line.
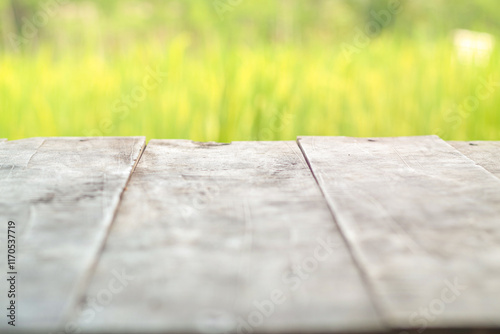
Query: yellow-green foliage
x=223, y=90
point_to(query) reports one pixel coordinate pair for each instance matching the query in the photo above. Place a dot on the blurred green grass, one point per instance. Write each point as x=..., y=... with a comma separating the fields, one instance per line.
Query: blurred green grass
x=263, y=71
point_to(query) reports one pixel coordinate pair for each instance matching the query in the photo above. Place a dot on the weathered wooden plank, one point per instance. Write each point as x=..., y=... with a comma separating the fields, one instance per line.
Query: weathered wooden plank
x=484, y=153
x=423, y=223
x=215, y=237
x=62, y=194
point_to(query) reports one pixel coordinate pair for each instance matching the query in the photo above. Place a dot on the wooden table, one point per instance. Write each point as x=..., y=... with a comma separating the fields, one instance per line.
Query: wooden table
x=322, y=235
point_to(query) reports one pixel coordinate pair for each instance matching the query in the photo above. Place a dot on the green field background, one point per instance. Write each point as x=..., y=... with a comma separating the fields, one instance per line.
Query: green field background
x=246, y=70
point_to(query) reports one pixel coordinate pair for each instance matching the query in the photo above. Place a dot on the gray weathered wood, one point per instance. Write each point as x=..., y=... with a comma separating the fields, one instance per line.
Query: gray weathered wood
x=419, y=217
x=205, y=230
x=484, y=153
x=62, y=194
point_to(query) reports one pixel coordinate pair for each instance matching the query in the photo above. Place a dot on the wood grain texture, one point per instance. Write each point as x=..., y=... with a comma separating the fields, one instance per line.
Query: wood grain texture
x=62, y=194
x=423, y=223
x=484, y=153
x=205, y=231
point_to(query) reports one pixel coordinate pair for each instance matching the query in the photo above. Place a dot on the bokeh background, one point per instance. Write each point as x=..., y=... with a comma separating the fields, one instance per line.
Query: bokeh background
x=226, y=70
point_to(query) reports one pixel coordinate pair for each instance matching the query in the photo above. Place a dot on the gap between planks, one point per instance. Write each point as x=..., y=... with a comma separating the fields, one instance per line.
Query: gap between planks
x=483, y=153
x=367, y=282
x=92, y=268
